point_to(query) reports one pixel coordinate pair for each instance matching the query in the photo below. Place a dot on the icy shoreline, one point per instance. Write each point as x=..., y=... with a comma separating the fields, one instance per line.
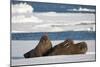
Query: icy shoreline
x=54, y=59
x=21, y=47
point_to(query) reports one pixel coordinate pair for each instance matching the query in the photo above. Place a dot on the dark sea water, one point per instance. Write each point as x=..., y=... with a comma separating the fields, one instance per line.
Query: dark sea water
x=76, y=35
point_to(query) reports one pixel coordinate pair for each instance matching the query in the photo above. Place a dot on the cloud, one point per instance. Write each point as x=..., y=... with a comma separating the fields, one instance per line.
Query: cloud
x=23, y=13
x=49, y=14
x=82, y=9
x=22, y=8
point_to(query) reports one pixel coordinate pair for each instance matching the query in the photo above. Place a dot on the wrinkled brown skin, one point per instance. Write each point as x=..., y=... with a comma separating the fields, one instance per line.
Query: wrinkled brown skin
x=42, y=48
x=80, y=48
x=68, y=48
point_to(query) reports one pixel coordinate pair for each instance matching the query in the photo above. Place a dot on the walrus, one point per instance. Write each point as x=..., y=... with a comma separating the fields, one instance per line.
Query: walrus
x=68, y=48
x=62, y=48
x=43, y=46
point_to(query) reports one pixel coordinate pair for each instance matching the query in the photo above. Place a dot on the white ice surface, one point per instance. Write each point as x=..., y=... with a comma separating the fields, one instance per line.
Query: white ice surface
x=21, y=47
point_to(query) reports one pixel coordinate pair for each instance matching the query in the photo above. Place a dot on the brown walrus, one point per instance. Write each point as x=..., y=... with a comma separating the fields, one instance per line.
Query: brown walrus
x=43, y=46
x=68, y=48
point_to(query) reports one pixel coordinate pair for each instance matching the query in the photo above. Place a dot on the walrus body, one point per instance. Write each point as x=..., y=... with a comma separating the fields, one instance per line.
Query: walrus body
x=42, y=48
x=68, y=48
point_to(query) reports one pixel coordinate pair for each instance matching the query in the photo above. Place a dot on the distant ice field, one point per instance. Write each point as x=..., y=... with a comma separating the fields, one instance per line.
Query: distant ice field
x=53, y=22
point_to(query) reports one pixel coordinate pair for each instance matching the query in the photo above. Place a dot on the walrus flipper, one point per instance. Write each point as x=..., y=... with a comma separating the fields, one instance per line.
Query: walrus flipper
x=29, y=54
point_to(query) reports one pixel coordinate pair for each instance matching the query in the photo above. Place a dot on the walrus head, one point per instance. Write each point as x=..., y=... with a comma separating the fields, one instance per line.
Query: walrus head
x=80, y=48
x=44, y=38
